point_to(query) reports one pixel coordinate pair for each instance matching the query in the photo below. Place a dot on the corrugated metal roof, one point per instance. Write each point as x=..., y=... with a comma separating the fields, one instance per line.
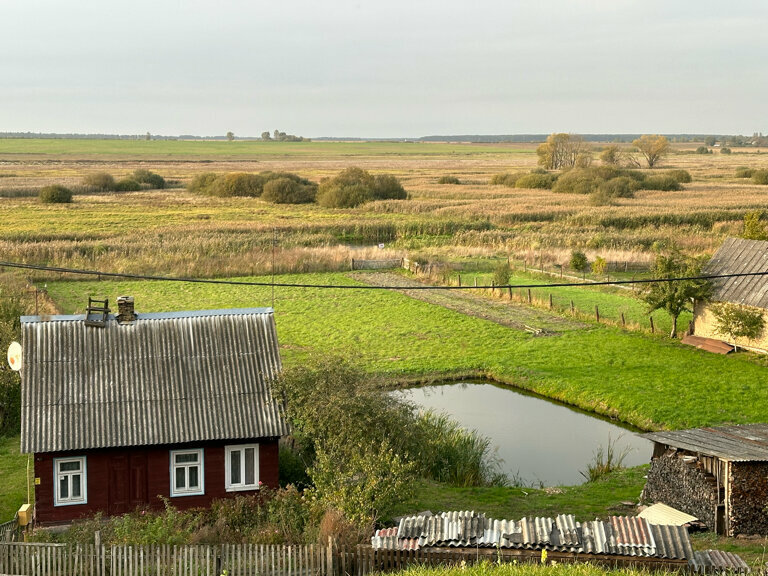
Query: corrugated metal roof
x=745, y=443
x=735, y=256
x=662, y=514
x=716, y=561
x=620, y=535
x=165, y=378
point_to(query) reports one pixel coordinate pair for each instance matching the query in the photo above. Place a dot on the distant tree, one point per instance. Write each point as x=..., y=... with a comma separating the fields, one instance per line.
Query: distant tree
x=725, y=150
x=678, y=295
x=754, y=229
x=230, y=136
x=564, y=151
x=143, y=176
x=735, y=321
x=148, y=136
x=703, y=150
x=599, y=265
x=653, y=148
x=710, y=141
x=502, y=274
x=265, y=136
x=611, y=155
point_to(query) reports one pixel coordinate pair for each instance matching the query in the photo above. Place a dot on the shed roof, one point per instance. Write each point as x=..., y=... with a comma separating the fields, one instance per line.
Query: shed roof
x=166, y=378
x=740, y=256
x=746, y=443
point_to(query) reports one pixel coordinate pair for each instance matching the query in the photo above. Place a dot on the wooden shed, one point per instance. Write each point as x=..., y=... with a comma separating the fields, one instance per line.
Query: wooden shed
x=719, y=475
x=119, y=410
x=736, y=256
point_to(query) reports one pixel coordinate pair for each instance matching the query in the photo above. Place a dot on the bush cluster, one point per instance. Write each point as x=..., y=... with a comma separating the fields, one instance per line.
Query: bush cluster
x=448, y=180
x=760, y=177
x=276, y=187
x=744, y=172
x=536, y=179
x=139, y=179
x=703, y=150
x=505, y=179
x=55, y=194
x=606, y=183
x=354, y=186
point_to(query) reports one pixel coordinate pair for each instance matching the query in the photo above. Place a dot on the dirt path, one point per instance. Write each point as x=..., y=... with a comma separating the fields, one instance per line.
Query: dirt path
x=506, y=313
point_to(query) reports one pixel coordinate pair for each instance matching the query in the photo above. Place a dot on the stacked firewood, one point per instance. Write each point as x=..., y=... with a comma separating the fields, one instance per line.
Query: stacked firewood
x=748, y=498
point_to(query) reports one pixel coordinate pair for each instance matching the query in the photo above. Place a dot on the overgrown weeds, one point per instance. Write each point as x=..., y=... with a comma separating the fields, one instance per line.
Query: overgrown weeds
x=607, y=459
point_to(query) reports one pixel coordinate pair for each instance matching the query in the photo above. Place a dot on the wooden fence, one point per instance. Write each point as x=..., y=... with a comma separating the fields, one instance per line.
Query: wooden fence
x=9, y=531
x=32, y=559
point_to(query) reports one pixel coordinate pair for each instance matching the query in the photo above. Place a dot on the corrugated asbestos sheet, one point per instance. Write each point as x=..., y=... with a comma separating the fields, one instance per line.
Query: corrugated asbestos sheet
x=735, y=256
x=620, y=535
x=163, y=379
x=715, y=561
x=746, y=443
x=662, y=514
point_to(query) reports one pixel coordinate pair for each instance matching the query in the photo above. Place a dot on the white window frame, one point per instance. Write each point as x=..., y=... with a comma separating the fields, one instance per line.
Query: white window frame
x=241, y=486
x=58, y=475
x=175, y=492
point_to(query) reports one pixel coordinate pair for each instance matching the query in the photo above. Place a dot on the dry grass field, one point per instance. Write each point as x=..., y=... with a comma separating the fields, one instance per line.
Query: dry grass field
x=176, y=232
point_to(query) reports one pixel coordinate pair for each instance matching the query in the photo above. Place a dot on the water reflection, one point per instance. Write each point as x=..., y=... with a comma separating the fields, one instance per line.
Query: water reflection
x=539, y=441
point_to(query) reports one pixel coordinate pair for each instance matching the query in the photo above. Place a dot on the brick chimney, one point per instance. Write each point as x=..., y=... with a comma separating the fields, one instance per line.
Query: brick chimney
x=125, y=313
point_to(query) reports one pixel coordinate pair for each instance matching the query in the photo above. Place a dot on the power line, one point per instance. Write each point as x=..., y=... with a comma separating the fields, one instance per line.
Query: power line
x=128, y=276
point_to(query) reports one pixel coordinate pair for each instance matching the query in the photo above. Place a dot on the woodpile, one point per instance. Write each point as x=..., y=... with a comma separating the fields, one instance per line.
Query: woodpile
x=681, y=482
x=748, y=498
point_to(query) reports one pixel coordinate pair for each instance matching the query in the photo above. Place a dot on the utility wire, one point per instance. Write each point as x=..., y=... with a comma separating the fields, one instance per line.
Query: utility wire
x=366, y=286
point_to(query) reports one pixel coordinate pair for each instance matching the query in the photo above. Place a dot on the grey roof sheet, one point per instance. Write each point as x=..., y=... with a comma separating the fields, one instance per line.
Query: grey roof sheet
x=745, y=443
x=166, y=378
x=735, y=256
x=619, y=535
x=718, y=562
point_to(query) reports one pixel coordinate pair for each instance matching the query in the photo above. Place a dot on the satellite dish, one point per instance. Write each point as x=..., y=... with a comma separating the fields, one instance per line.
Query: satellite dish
x=14, y=356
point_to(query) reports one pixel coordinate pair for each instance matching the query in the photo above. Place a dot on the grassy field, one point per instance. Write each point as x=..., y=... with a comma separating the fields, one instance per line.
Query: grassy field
x=13, y=468
x=649, y=382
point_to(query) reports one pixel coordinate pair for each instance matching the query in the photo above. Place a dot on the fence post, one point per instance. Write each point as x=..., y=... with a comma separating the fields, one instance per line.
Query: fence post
x=329, y=558
x=459, y=280
x=550, y=300
x=530, y=298
x=623, y=322
x=352, y=264
x=651, y=320
x=493, y=287
x=509, y=290
x=573, y=308
x=597, y=313
x=475, y=281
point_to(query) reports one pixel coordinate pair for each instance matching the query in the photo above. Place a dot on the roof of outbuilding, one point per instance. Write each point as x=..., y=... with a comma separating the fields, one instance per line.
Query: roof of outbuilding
x=740, y=256
x=166, y=378
x=746, y=443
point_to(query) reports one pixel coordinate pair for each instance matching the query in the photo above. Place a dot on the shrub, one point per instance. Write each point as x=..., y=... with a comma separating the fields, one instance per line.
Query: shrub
x=287, y=191
x=101, y=181
x=55, y=194
x=682, y=176
x=387, y=187
x=579, y=261
x=142, y=176
x=703, y=150
x=760, y=177
x=599, y=265
x=601, y=198
x=621, y=187
x=536, y=180
x=331, y=195
x=505, y=179
x=202, y=183
x=744, y=172
x=127, y=185
x=501, y=274
x=662, y=182
x=577, y=181
x=725, y=150
x=448, y=180
x=237, y=184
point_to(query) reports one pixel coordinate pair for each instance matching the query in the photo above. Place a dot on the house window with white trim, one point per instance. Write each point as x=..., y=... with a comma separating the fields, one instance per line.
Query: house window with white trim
x=242, y=467
x=187, y=472
x=71, y=481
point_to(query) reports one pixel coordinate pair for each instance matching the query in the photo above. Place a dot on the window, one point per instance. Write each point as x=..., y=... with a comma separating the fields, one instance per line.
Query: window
x=71, y=483
x=242, y=467
x=186, y=472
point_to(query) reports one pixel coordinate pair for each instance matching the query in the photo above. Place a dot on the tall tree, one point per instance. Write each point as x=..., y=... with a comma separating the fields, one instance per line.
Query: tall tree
x=653, y=148
x=564, y=151
x=230, y=136
x=675, y=296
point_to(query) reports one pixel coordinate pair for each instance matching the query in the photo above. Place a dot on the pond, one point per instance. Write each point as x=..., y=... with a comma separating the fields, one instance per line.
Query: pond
x=541, y=442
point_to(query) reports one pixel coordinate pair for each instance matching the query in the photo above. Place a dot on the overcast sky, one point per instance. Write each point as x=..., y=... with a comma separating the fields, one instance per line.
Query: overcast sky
x=384, y=68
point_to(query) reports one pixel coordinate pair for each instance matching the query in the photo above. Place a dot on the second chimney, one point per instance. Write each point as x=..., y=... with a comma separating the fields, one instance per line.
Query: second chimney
x=125, y=313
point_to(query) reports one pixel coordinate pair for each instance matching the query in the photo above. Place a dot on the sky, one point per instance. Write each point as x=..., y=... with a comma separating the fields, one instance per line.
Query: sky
x=383, y=68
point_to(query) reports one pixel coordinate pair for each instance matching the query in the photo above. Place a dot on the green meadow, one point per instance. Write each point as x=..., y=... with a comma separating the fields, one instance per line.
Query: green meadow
x=647, y=381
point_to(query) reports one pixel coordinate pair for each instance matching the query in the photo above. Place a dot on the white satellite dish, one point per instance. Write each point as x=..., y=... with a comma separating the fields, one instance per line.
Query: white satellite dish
x=14, y=356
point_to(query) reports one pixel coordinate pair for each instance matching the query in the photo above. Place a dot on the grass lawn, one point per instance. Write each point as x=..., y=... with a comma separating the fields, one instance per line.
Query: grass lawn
x=649, y=382
x=13, y=472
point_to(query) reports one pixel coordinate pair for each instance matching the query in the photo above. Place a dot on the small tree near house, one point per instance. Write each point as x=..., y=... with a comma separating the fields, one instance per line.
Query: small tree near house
x=734, y=321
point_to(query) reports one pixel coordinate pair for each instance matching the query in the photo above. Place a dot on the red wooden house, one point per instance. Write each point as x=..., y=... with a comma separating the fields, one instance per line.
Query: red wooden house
x=119, y=410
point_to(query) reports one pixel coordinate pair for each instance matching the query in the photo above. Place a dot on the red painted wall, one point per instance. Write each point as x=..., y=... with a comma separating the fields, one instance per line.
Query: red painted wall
x=158, y=483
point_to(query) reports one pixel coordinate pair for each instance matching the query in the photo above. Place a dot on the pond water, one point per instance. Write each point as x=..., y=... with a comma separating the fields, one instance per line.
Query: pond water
x=539, y=441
